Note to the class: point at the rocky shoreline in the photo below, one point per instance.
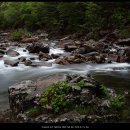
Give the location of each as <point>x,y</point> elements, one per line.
<point>109,49</point>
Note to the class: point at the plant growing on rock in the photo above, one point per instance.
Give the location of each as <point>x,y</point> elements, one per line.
<point>118,102</point>
<point>83,84</point>
<point>60,98</point>
<point>84,110</point>
<point>104,91</point>
<point>53,99</point>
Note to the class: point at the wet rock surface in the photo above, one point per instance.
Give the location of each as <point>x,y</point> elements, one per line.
<point>21,95</point>
<point>11,63</point>
<point>37,47</point>
<point>107,50</point>
<point>21,98</point>
<point>12,53</point>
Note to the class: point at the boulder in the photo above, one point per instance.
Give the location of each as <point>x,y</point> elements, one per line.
<point>92,54</point>
<point>79,56</point>
<point>12,53</point>
<point>2,51</point>
<point>21,95</point>
<point>54,56</point>
<point>70,59</point>
<point>29,40</point>
<point>24,50</point>
<point>61,61</point>
<point>22,59</point>
<point>11,63</point>
<point>37,47</point>
<point>28,62</point>
<point>36,64</point>
<point>100,58</point>
<point>44,55</point>
<point>89,48</point>
<point>113,57</point>
<point>32,58</point>
<point>81,50</point>
<point>99,47</point>
<point>122,59</point>
<point>70,48</point>
<point>62,43</point>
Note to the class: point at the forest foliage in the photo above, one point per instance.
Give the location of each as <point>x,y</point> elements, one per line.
<point>66,17</point>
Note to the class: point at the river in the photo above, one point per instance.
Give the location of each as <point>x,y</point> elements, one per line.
<point>115,75</point>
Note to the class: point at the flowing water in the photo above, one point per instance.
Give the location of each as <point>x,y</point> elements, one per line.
<point>115,75</point>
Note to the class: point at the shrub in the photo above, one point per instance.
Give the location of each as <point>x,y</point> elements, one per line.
<point>17,35</point>
<point>118,102</point>
<point>124,33</point>
<point>53,99</point>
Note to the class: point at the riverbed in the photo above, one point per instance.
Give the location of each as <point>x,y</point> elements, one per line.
<point>114,75</point>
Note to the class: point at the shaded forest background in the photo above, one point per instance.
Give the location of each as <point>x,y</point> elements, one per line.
<point>89,18</point>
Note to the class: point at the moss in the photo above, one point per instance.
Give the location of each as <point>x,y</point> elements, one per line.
<point>84,84</point>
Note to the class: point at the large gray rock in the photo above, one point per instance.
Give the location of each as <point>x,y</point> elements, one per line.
<point>21,95</point>
<point>11,63</point>
<point>12,53</point>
